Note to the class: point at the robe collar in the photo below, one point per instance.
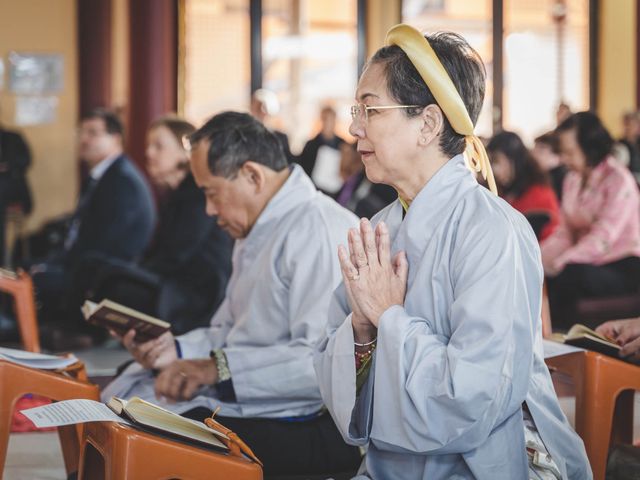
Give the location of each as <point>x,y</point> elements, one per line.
<point>430,208</point>
<point>296,190</point>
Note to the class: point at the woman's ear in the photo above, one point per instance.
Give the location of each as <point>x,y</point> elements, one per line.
<point>254,175</point>
<point>432,124</point>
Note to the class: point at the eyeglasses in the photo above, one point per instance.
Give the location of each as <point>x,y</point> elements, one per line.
<point>360,111</point>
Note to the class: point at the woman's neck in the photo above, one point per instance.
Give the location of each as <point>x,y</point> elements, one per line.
<point>409,186</point>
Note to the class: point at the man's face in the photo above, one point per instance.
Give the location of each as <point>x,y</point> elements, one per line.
<point>231,200</point>
<point>95,143</point>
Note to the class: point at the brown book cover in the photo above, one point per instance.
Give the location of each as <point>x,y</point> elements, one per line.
<point>121,319</point>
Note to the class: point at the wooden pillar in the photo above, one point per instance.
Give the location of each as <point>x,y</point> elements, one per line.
<point>153,68</point>
<point>637,54</point>
<point>94,54</point>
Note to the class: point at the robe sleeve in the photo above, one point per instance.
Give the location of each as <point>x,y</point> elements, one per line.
<point>198,343</point>
<point>441,394</point>
<point>336,371</point>
<point>308,269</point>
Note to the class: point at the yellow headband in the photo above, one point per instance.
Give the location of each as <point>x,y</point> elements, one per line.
<point>419,51</point>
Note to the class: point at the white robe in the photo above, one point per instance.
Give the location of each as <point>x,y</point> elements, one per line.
<point>454,365</point>
<point>275,309</point>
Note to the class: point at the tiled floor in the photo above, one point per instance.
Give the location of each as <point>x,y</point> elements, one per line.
<point>37,456</point>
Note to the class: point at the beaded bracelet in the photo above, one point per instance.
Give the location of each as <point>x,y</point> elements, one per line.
<point>366,344</point>
<point>363,357</point>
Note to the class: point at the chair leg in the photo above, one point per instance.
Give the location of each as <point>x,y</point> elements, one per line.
<point>5,429</point>
<point>622,428</point>
<point>596,422</point>
<point>70,437</point>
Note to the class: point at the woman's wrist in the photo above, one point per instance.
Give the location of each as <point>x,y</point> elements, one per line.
<point>363,331</point>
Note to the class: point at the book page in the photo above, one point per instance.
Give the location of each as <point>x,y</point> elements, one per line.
<point>36,360</point>
<point>88,308</point>
<point>579,330</point>
<point>70,412</point>
<point>555,349</point>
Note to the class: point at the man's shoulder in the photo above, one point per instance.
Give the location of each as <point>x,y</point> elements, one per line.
<point>123,168</point>
<point>320,213</point>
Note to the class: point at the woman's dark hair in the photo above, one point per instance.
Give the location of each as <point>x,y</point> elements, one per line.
<point>549,139</point>
<point>179,127</point>
<point>593,138</point>
<point>234,139</point>
<point>406,86</point>
<point>526,171</point>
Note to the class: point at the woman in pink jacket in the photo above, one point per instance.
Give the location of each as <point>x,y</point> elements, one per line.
<point>595,251</point>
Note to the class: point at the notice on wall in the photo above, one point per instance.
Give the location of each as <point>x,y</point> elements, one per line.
<point>36,110</point>
<point>34,73</point>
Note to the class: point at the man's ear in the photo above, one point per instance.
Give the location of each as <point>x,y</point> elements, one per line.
<point>432,124</point>
<point>254,175</point>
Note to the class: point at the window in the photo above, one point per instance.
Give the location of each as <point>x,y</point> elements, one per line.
<point>541,66</point>
<point>472,20</point>
<point>214,63</point>
<point>309,52</point>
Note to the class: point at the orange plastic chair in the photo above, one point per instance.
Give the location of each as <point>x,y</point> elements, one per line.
<point>16,381</point>
<point>605,390</point>
<point>112,451</point>
<point>21,288</point>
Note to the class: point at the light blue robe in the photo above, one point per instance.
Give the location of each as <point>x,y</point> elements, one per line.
<point>274,312</point>
<point>454,365</point>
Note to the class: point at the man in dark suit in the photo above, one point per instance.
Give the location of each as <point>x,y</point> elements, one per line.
<point>114,218</point>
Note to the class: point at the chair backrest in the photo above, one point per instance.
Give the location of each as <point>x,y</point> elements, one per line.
<point>21,289</point>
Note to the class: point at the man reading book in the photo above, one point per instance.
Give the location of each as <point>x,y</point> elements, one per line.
<point>255,359</point>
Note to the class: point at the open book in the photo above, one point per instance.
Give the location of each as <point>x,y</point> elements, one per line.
<point>36,360</point>
<point>146,414</point>
<point>121,319</point>
<point>140,413</point>
<point>584,337</point>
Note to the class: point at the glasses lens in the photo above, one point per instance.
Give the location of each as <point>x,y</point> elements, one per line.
<point>359,112</point>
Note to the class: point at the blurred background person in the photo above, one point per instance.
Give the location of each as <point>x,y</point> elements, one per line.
<point>595,251</point>
<point>114,219</point>
<point>15,193</point>
<point>357,193</point>
<point>320,157</point>
<point>264,105</point>
<point>522,182</point>
<point>546,152</point>
<point>184,273</point>
<point>562,112</point>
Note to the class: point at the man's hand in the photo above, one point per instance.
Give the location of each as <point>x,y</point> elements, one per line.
<point>154,354</point>
<point>182,379</point>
